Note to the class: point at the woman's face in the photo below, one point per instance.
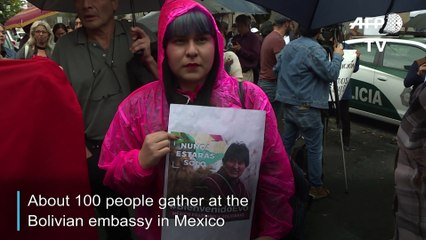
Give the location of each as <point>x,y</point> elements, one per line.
<point>191,58</point>
<point>60,32</point>
<point>234,167</point>
<point>41,35</point>
<point>2,36</point>
<point>77,23</point>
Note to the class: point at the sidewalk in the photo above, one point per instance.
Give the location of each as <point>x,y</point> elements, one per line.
<point>365,212</point>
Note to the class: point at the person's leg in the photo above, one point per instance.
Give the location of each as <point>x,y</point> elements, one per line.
<point>312,131</point>
<point>270,89</point>
<point>96,176</point>
<point>290,131</point>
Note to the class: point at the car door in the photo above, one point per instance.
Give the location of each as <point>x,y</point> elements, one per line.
<point>397,57</point>
<point>362,82</point>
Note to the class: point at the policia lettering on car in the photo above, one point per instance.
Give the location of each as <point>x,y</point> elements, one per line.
<point>367,97</point>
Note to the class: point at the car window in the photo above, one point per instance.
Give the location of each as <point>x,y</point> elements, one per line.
<point>400,56</point>
<point>8,43</point>
<point>367,56</point>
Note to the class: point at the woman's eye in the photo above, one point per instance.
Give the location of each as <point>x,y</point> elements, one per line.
<point>178,41</point>
<point>203,39</point>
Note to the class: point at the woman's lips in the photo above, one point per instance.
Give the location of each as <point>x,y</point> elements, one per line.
<point>191,65</point>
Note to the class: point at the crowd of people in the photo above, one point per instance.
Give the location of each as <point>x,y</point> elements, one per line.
<point>39,39</point>
<point>284,71</point>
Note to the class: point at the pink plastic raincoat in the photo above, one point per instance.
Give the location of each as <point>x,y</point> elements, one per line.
<point>146,111</point>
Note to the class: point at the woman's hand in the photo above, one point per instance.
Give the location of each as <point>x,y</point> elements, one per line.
<point>154,148</point>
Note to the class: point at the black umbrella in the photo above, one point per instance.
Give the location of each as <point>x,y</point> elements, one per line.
<point>320,13</point>
<point>124,6</point>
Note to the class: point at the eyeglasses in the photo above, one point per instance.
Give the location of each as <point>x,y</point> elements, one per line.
<point>41,32</point>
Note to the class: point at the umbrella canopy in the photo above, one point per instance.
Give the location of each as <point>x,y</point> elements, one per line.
<point>320,13</point>
<point>215,6</point>
<point>418,22</point>
<point>228,6</point>
<point>124,5</point>
<point>26,17</point>
<point>150,21</point>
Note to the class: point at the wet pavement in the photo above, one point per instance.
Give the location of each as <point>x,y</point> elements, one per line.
<point>365,212</point>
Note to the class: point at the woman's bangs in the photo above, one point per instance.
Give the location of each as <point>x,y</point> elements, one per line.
<point>194,22</point>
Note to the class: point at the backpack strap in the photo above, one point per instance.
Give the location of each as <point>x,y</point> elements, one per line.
<point>241,94</point>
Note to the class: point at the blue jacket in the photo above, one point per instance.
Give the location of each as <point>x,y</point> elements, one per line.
<point>304,73</point>
<point>9,53</point>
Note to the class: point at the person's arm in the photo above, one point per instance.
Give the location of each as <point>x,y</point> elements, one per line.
<point>141,42</point>
<point>235,68</point>
<point>120,158</point>
<point>21,53</point>
<point>273,215</point>
<point>412,78</point>
<point>356,68</point>
<point>277,47</point>
<point>252,53</point>
<point>322,67</point>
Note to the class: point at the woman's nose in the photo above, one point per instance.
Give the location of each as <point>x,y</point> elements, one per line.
<point>191,50</point>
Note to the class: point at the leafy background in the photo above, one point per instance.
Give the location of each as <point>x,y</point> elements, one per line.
<point>9,8</point>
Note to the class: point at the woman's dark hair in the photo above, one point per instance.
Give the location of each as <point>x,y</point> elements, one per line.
<point>56,27</point>
<point>237,151</point>
<point>193,22</point>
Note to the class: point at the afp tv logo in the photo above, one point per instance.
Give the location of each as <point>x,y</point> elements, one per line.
<point>393,25</point>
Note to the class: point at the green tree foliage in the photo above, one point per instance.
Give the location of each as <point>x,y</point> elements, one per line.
<point>9,8</point>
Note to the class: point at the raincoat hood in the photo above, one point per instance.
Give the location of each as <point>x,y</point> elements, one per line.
<point>169,12</point>
<point>146,111</point>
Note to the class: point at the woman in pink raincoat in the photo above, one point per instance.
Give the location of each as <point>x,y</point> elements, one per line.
<point>190,62</point>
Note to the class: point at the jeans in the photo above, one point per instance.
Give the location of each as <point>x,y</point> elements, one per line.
<point>306,121</point>
<point>270,89</point>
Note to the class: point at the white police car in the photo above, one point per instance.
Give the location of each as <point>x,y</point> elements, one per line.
<point>377,88</point>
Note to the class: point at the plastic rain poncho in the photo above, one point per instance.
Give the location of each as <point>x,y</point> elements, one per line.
<point>146,111</point>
